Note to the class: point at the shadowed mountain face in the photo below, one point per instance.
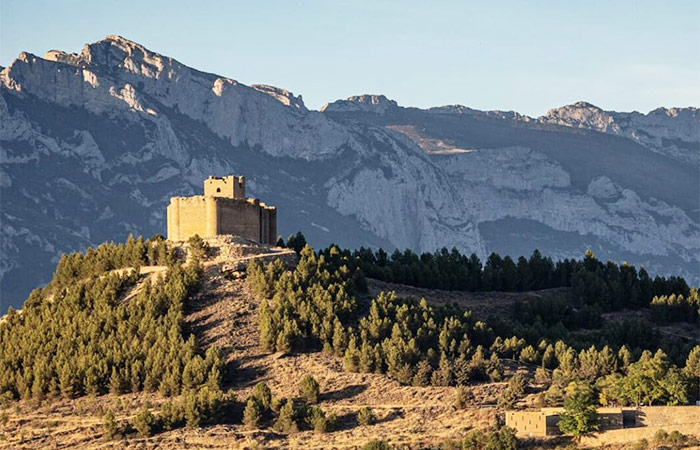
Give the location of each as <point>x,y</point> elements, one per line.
<point>93,145</point>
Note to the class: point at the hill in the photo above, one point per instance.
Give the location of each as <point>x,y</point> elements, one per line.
<point>438,371</point>
<point>97,142</point>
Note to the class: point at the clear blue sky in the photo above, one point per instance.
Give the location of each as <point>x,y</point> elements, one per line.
<point>527,56</point>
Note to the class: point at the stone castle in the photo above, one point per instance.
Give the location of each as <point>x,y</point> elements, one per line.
<point>223,209</point>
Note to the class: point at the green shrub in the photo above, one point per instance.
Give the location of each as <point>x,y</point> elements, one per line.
<point>262,392</point>
<point>252,414</point>
<point>463,397</point>
<point>198,247</point>
<point>206,406</point>
<point>110,426</point>
<point>309,389</point>
<point>507,399</point>
<point>145,422</point>
<point>276,405</point>
<point>474,440</point>
<point>317,420</point>
<point>642,444</point>
<point>376,445</point>
<point>365,416</point>
<point>287,420</point>
<point>503,439</point>
<point>172,415</point>
<point>517,384</point>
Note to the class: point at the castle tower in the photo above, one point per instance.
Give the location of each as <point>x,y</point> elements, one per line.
<point>223,209</point>
<point>230,187</point>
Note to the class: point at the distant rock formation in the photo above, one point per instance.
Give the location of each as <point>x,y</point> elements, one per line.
<point>94,144</point>
<point>377,104</point>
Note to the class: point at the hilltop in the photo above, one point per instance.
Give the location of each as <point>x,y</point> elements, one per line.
<point>96,142</point>
<point>189,338</point>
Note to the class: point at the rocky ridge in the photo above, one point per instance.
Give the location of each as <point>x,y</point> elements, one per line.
<point>93,144</point>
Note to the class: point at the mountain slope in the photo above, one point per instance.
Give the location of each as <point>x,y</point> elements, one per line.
<point>92,145</point>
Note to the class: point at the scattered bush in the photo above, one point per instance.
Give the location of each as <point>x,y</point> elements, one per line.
<point>145,422</point>
<point>376,445</point>
<point>463,397</point>
<point>198,247</point>
<point>309,389</point>
<point>110,426</point>
<point>673,440</point>
<point>262,393</point>
<point>253,413</point>
<point>287,420</point>
<point>365,417</point>
<point>317,420</point>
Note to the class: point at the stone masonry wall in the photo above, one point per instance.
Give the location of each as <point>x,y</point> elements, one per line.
<point>239,217</point>
<point>188,216</point>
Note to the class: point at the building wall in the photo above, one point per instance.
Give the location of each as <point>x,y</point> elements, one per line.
<point>649,416</point>
<point>545,422</point>
<point>527,423</point>
<point>187,216</point>
<point>649,420</point>
<point>229,187</point>
<point>240,217</point>
<point>220,213</point>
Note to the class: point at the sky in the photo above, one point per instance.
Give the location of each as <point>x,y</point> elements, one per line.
<point>527,56</point>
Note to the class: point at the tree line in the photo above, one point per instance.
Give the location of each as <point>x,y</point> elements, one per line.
<point>610,286</point>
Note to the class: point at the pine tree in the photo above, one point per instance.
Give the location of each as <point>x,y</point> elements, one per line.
<point>262,393</point>
<point>443,375</point>
<point>110,426</point>
<point>351,360</point>
<point>317,420</point>
<point>309,389</point>
<point>579,417</point>
<point>463,397</point>
<point>252,414</point>
<point>116,382</point>
<point>422,375</point>
<point>286,421</point>
<point>145,422</point>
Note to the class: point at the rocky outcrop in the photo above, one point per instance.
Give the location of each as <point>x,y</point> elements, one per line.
<point>673,131</point>
<point>376,104</point>
<point>94,144</point>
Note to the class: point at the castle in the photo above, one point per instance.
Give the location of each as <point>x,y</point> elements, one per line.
<point>223,209</point>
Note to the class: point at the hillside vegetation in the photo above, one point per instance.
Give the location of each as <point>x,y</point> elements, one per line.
<point>420,344</point>
<point>114,354</point>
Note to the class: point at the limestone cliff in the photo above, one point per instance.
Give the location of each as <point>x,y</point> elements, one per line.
<point>93,145</point>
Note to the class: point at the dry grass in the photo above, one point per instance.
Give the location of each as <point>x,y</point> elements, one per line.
<point>225,314</point>
<point>482,304</point>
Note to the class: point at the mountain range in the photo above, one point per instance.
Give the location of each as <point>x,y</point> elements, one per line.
<point>93,145</point>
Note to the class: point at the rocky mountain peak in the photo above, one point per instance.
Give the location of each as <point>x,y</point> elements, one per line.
<point>580,115</point>
<point>100,140</point>
<point>283,96</point>
<point>378,104</point>
<point>671,131</point>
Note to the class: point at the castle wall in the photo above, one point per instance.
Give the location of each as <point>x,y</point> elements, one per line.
<point>248,218</point>
<point>273,225</point>
<point>223,209</point>
<point>187,216</point>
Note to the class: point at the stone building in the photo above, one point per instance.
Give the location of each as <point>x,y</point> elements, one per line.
<point>545,422</point>
<point>223,209</point>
